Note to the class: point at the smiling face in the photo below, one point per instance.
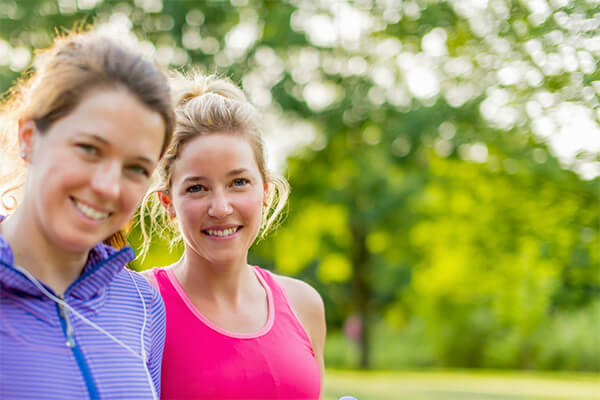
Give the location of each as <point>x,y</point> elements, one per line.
<point>217,194</point>
<point>88,171</point>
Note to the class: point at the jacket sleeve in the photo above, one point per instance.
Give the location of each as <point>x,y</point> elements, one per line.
<point>157,331</point>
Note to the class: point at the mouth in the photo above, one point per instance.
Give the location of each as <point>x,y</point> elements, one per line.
<point>89,211</point>
<point>222,232</point>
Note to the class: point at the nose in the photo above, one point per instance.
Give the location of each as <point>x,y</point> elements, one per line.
<point>220,206</point>
<point>106,180</point>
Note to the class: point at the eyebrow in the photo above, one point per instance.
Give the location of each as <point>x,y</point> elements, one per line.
<point>237,171</point>
<point>105,142</point>
<point>193,179</point>
<point>196,178</point>
<point>95,137</point>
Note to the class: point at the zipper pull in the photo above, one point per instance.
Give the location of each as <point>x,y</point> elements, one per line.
<point>64,313</point>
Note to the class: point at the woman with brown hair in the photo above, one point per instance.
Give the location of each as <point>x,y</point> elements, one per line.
<point>92,121</point>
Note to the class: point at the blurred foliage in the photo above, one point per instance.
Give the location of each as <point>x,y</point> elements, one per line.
<point>427,198</point>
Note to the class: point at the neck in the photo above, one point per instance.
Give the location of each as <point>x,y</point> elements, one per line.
<point>55,267</point>
<point>219,283</point>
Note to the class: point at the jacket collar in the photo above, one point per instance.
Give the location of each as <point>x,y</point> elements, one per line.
<point>103,264</point>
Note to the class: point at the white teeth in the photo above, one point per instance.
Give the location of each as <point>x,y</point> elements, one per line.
<point>90,212</point>
<point>224,232</point>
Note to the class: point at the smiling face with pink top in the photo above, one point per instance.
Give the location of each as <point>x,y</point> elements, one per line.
<point>217,194</point>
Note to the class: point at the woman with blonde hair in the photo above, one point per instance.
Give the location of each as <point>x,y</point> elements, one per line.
<point>92,122</point>
<point>234,331</point>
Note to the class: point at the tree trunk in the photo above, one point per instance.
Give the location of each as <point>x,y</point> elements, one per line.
<point>362,289</point>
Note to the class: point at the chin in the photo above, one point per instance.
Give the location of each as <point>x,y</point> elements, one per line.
<point>223,260</point>
<point>78,243</point>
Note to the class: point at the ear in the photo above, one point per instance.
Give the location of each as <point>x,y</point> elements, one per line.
<point>165,200</point>
<point>28,133</point>
<point>266,188</point>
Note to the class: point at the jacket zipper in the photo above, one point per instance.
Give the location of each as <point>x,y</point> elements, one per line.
<point>67,326</point>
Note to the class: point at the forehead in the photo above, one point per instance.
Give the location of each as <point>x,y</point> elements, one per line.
<point>114,106</point>
<point>116,117</point>
<point>215,153</point>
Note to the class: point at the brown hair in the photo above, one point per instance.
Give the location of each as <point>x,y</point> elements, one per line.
<point>71,68</point>
<point>208,105</point>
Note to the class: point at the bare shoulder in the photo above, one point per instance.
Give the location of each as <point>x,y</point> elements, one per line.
<point>306,302</point>
<point>309,307</point>
<point>304,298</point>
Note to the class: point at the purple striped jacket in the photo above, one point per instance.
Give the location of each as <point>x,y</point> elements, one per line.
<point>48,353</point>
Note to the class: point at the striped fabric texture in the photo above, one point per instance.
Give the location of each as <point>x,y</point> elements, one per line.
<point>37,363</point>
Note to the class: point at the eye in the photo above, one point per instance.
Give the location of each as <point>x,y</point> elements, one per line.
<point>238,182</point>
<point>195,189</point>
<point>138,169</point>
<point>88,149</point>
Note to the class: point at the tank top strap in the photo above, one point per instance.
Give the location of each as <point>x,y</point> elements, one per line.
<point>159,278</point>
<point>279,296</point>
<point>152,277</point>
<point>283,307</point>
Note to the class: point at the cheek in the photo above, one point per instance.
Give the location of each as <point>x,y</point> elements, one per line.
<point>132,196</point>
<point>190,212</point>
<point>252,206</point>
<point>54,184</point>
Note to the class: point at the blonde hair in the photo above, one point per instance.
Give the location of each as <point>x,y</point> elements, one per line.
<point>208,105</point>
<point>70,69</point>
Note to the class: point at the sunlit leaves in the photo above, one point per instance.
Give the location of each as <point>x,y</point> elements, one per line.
<point>307,237</point>
<point>505,242</point>
<point>335,267</point>
<point>378,241</point>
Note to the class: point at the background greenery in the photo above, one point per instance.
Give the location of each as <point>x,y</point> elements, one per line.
<point>430,207</point>
<point>460,385</point>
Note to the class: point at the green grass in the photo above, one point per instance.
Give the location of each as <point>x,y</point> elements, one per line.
<point>461,385</point>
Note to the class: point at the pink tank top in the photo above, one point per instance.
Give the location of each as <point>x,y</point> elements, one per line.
<point>203,361</point>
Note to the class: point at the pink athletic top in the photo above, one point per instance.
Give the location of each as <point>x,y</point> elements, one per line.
<point>203,361</point>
